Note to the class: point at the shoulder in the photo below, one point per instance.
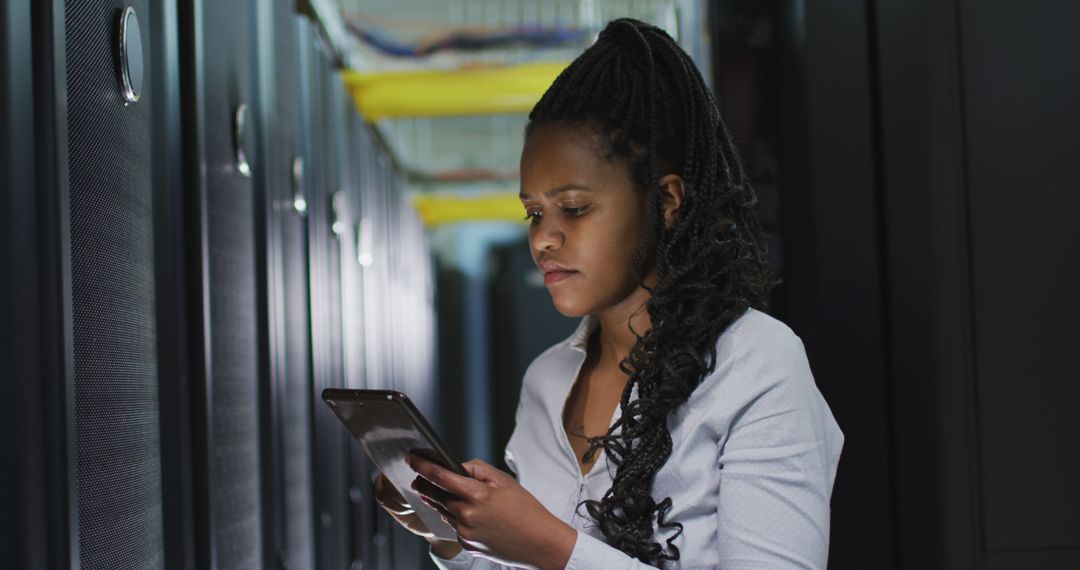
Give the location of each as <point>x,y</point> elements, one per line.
<point>764,404</point>
<point>757,334</point>
<point>756,355</point>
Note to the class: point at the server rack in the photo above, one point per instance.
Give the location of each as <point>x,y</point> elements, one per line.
<point>172,290</point>
<point>178,308</point>
<point>221,121</point>
<point>329,441</point>
<point>374,341</point>
<point>36,518</point>
<point>286,391</point>
<point>121,146</point>
<point>361,501</point>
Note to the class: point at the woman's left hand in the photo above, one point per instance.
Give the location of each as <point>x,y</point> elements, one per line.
<point>493,515</point>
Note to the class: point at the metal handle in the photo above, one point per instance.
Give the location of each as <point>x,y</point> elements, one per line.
<point>364,241</point>
<point>240,134</point>
<point>299,201</point>
<point>130,52</point>
<point>336,225</point>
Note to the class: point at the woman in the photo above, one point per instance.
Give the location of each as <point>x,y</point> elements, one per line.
<point>679,426</point>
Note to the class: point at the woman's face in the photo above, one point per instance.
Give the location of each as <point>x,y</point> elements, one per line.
<point>587,220</point>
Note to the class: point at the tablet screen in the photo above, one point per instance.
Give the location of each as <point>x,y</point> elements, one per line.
<point>388,426</point>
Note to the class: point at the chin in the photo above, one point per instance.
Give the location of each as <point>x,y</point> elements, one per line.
<point>569,307</point>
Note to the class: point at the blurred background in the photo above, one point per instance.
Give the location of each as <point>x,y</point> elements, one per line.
<point>211,211</point>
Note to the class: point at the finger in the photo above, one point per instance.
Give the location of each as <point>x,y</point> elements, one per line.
<point>464,487</point>
<point>400,509</point>
<point>389,498</point>
<point>428,489</point>
<point>446,514</point>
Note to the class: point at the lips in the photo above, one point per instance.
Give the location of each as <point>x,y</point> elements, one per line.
<point>553,272</point>
<point>552,277</point>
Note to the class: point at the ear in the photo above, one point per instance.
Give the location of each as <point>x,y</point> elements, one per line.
<point>672,190</point>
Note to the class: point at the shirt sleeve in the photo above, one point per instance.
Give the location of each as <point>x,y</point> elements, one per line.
<point>466,560</point>
<point>777,467</point>
<point>591,553</point>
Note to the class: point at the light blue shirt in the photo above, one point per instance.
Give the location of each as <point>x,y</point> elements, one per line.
<point>754,457</point>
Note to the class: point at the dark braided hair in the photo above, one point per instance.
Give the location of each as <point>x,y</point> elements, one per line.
<point>643,99</point>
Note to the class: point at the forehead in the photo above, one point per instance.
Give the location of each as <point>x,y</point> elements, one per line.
<point>584,132</point>
<point>558,154</point>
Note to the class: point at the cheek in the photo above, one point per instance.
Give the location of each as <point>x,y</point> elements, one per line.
<point>610,249</point>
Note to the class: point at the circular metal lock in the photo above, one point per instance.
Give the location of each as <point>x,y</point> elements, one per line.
<point>130,55</point>
<point>241,138</point>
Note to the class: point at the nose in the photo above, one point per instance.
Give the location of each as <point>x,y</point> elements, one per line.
<point>546,235</point>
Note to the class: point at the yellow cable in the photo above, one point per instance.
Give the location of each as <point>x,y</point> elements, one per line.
<point>436,209</point>
<point>469,91</point>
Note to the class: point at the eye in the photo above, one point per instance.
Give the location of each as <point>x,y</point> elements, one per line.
<point>575,211</point>
<point>533,215</point>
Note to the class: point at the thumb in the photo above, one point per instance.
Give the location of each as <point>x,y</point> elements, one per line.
<point>485,472</point>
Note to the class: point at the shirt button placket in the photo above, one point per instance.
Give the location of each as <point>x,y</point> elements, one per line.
<point>574,506</point>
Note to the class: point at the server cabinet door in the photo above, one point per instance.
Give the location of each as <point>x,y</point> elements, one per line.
<point>110,145</point>
<point>408,548</point>
<point>980,235</point>
<point>220,118</point>
<point>375,343</point>
<point>287,182</point>
<point>330,444</point>
<point>1023,287</point>
<point>361,492</point>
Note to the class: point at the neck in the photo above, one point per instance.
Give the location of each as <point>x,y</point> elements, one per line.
<point>615,336</point>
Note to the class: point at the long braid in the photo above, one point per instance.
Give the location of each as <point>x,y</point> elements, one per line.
<point>646,101</point>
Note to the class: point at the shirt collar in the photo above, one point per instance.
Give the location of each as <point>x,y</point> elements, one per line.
<point>580,338</point>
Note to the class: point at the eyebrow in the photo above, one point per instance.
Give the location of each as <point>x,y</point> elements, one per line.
<point>557,190</point>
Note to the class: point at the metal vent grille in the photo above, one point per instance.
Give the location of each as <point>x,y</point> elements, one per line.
<point>236,514</point>
<point>296,403</point>
<point>118,465</point>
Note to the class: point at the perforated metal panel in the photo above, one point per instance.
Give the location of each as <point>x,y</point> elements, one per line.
<point>331,488</point>
<point>116,382</point>
<point>295,417</point>
<point>233,382</point>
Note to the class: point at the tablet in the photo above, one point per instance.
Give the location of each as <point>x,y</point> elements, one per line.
<point>388,425</point>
